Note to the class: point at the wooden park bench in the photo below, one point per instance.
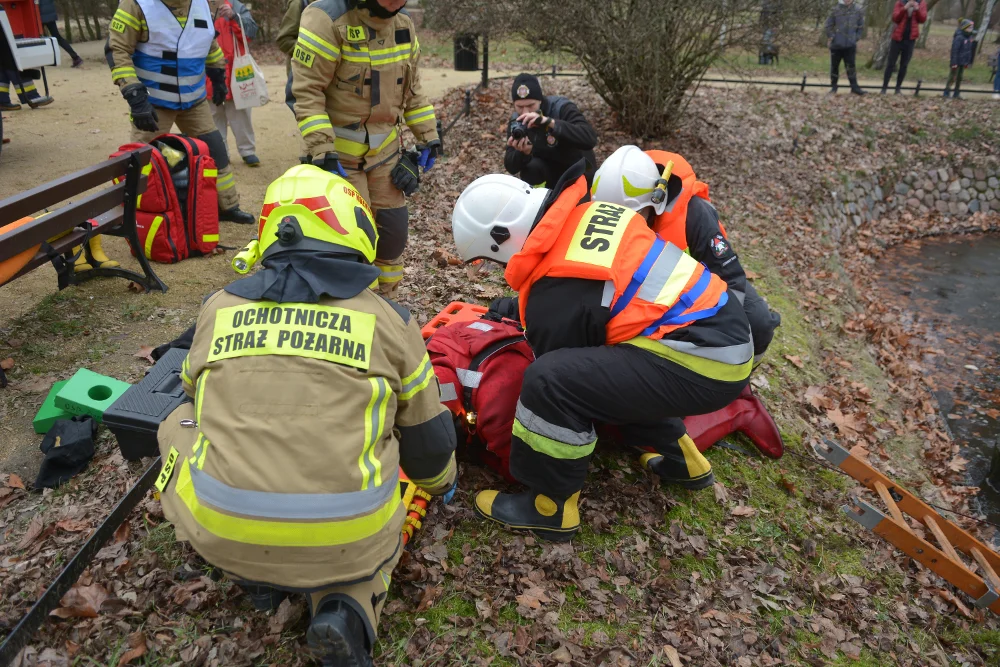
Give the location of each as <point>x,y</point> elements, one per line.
<point>52,237</point>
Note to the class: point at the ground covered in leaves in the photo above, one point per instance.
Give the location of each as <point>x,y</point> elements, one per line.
<point>761,570</point>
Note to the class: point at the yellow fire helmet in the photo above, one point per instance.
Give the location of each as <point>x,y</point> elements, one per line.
<point>307,208</point>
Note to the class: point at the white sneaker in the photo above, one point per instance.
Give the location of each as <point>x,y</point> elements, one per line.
<point>996,96</point>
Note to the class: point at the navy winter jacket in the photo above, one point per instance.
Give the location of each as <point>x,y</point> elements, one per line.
<point>962,48</point>
<point>47,8</point>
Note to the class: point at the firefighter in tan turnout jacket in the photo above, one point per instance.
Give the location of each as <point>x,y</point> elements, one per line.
<point>160,52</point>
<point>310,392</point>
<point>355,79</point>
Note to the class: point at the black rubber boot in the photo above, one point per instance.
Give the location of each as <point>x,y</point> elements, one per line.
<point>680,464</point>
<point>548,518</point>
<point>264,598</point>
<point>238,216</point>
<point>336,636</point>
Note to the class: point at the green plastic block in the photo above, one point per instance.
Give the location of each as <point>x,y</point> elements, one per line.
<point>88,393</point>
<point>49,413</point>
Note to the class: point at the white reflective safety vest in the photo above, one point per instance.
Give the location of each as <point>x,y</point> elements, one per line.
<point>171,63</point>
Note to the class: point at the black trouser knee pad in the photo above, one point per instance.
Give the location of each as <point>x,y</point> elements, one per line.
<point>393,230</point>
<point>216,148</point>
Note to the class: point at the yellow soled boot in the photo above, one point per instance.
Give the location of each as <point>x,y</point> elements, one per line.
<point>96,256</point>
<point>80,264</point>
<point>548,518</point>
<point>680,463</point>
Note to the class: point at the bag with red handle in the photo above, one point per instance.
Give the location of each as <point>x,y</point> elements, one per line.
<point>479,365</point>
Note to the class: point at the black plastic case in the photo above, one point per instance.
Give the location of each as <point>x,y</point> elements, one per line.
<point>135,417</point>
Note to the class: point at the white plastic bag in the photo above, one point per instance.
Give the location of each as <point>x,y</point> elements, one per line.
<point>247,82</point>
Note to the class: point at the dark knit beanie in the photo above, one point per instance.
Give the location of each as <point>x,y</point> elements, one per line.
<point>526,87</point>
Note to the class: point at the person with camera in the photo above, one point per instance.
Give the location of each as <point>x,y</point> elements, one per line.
<point>907,15</point>
<point>546,135</point>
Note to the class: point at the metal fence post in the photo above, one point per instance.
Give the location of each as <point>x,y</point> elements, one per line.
<point>802,88</point>
<point>916,91</point>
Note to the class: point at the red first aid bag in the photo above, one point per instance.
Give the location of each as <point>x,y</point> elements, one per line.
<point>480,365</point>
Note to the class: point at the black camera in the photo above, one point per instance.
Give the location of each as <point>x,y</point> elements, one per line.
<point>518,130</point>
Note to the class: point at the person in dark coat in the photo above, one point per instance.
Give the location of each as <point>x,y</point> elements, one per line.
<point>556,135</point>
<point>47,9</point>
<point>907,16</point>
<point>963,48</point>
<point>843,30</point>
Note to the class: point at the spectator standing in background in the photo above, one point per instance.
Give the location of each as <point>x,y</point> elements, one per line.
<point>996,77</point>
<point>228,19</point>
<point>963,47</point>
<point>47,9</point>
<point>907,16</point>
<point>843,30</point>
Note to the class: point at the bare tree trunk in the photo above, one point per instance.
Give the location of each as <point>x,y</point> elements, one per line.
<point>67,27</point>
<point>926,30</point>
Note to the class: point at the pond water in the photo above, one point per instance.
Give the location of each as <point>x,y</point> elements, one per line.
<point>952,289</point>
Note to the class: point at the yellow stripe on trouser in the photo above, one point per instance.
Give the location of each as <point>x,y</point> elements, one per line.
<point>550,447</point>
<point>391,273</point>
<point>359,149</point>
<point>277,533</point>
<point>199,394</point>
<point>4,88</point>
<point>225,182</point>
<point>716,370</point>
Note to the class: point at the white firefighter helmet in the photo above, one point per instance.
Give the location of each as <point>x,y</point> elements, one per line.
<point>493,217</point>
<point>628,178</point>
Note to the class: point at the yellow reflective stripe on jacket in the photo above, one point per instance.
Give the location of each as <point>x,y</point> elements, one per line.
<point>710,368</point>
<point>127,19</point>
<point>327,333</point>
<point>418,380</point>
<point>199,394</point>
<point>392,54</point>
<point>368,463</point>
<point>151,236</point>
<point>419,115</point>
<point>318,45</point>
<point>314,123</point>
<point>282,533</point>
<point>355,54</point>
<point>668,276</point>
<point>122,72</point>
<point>186,370</point>
<point>215,56</point>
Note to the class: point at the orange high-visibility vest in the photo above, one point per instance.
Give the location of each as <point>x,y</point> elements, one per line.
<point>652,287</point>
<point>671,225</point>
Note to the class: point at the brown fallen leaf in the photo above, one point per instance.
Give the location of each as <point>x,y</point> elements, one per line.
<point>671,654</point>
<point>146,352</point>
<point>816,397</point>
<point>950,597</point>
<point>427,599</point>
<point>287,614</point>
<point>73,525</point>
<point>122,533</point>
<point>562,655</point>
<point>7,363</point>
<point>809,548</point>
<point>533,597</point>
<point>860,451</point>
<point>81,602</point>
<point>137,644</point>
<point>788,486</point>
<point>848,425</point>
<point>744,510</point>
<point>795,360</point>
<point>752,275</point>
<point>14,481</point>
<point>720,493</point>
<point>135,287</point>
<point>34,529</point>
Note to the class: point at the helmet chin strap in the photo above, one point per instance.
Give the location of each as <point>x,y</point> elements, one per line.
<point>377,10</point>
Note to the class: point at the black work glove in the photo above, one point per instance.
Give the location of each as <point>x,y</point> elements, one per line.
<point>405,175</point>
<point>219,89</point>
<point>331,163</point>
<point>143,115</point>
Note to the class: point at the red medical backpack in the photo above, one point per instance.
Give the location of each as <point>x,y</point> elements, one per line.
<point>479,365</point>
<point>172,227</point>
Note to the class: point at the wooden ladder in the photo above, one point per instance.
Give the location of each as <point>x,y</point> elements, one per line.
<point>983,586</point>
